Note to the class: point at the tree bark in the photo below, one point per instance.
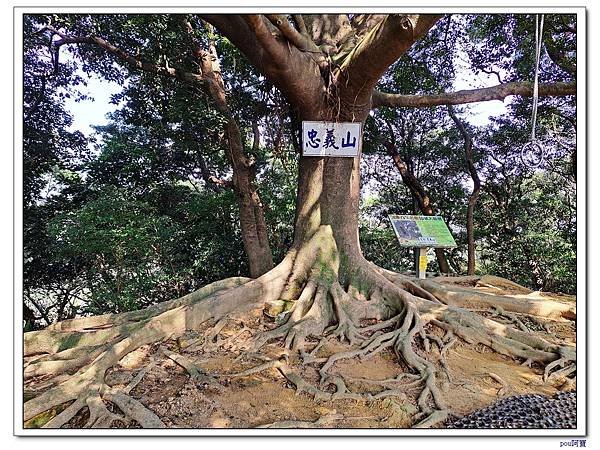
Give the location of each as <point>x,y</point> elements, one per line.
<point>419,194</point>
<point>474,193</point>
<point>252,218</point>
<point>328,194</point>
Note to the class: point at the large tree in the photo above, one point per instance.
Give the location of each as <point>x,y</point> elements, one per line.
<point>328,68</point>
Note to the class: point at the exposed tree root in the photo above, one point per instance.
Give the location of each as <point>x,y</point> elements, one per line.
<point>274,364</point>
<point>468,298</point>
<point>566,361</point>
<point>66,361</point>
<point>112,320</point>
<point>322,422</point>
<point>325,300</point>
<point>433,419</point>
<point>197,375</point>
<point>135,410</point>
<point>504,387</point>
<point>62,418</point>
<point>213,301</point>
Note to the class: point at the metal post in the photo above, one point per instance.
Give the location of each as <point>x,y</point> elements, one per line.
<point>416,260</point>
<point>421,266</point>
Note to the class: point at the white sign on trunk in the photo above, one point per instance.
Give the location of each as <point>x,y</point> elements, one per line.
<point>331,139</point>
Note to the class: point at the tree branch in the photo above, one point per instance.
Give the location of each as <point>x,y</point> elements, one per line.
<point>301,41</point>
<point>210,68</point>
<point>287,67</point>
<point>300,24</point>
<point>363,23</point>
<point>258,26</point>
<point>498,92</point>
<point>136,63</point>
<point>235,28</point>
<point>256,137</point>
<point>379,49</point>
<point>561,59</point>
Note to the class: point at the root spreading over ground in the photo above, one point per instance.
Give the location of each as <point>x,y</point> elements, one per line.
<point>313,298</point>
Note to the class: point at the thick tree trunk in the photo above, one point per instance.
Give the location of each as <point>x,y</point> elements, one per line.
<point>329,194</point>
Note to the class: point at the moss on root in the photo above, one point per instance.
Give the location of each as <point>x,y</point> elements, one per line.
<point>69,342</point>
<point>42,419</point>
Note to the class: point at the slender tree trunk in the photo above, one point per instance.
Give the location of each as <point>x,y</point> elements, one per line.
<point>470,229</point>
<point>252,219</point>
<point>474,194</point>
<point>419,194</point>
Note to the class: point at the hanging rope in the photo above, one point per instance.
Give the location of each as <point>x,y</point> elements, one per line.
<point>533,153</point>
<point>539,28</point>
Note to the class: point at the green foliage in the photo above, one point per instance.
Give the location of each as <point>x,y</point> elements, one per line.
<point>278,192</point>
<point>121,243</point>
<point>134,254</point>
<point>530,238</point>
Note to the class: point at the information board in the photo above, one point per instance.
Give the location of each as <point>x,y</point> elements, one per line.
<point>342,139</point>
<point>422,231</point>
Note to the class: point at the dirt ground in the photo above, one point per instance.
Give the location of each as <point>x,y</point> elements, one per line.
<point>474,377</point>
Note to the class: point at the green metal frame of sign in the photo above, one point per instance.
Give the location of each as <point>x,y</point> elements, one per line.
<point>422,231</point>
